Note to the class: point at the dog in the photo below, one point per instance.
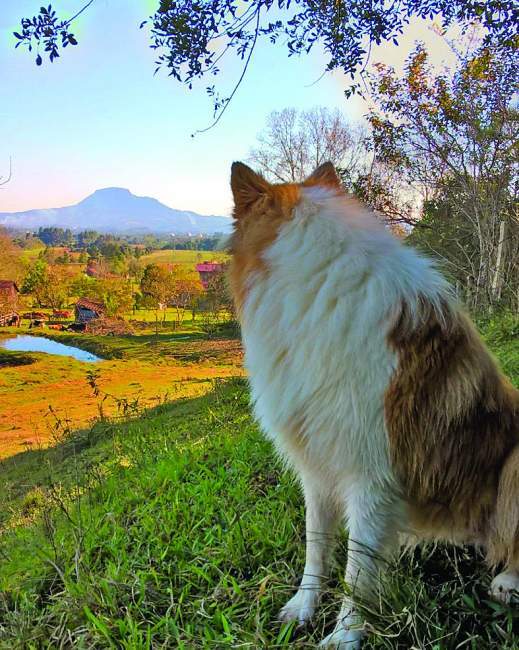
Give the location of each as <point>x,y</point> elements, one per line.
<point>373,385</point>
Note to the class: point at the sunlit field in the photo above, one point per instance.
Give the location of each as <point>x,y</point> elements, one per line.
<point>39,399</point>
<point>182,257</point>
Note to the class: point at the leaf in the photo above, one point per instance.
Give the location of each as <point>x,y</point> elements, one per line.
<point>39,60</point>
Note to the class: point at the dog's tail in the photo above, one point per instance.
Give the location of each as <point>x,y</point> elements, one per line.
<point>505,545</point>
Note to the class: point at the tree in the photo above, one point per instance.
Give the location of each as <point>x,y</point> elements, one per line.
<point>135,268</point>
<point>191,39</point>
<point>49,286</point>
<point>11,267</point>
<point>35,279</point>
<point>116,294</point>
<point>157,287</point>
<point>453,138</point>
<point>294,143</point>
<point>56,291</point>
<point>186,289</point>
<point>52,236</point>
<point>216,301</point>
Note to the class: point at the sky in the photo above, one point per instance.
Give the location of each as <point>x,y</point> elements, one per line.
<point>98,116</point>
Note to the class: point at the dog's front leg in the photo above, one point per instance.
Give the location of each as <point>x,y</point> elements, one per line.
<point>322,517</point>
<point>373,515</point>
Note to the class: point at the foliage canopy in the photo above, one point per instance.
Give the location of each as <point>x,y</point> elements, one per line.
<point>192,38</point>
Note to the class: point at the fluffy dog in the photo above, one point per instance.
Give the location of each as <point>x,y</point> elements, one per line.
<point>374,386</point>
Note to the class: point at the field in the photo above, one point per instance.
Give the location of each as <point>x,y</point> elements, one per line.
<point>178,528</point>
<point>190,257</point>
<point>38,399</point>
<point>182,257</point>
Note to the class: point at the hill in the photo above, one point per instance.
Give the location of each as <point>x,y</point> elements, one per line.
<point>117,210</point>
<point>180,529</point>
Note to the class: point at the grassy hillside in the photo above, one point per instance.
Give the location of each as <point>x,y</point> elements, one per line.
<point>180,529</point>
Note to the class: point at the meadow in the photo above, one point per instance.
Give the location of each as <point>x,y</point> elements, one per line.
<point>176,526</point>
<point>182,257</point>
<point>44,393</point>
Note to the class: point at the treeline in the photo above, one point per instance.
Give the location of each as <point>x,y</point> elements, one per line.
<point>94,242</point>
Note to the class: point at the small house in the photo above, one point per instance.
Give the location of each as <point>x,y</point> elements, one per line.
<point>207,271</point>
<point>87,310</point>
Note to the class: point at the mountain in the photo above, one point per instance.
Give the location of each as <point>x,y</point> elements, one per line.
<point>117,210</point>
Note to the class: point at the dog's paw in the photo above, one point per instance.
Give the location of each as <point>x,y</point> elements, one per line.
<point>300,607</point>
<point>505,587</point>
<point>343,639</point>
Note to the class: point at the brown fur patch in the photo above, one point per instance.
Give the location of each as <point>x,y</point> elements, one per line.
<point>452,420</point>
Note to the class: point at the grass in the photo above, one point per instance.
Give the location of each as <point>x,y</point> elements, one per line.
<point>182,257</point>
<point>13,359</point>
<point>180,529</point>
<point>141,369</point>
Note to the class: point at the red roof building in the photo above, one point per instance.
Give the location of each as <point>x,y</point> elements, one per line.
<point>208,270</point>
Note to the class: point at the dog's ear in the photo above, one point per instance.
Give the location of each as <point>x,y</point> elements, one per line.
<point>246,186</point>
<point>326,176</point>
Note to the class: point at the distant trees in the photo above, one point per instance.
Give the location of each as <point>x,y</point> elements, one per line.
<point>11,267</point>
<point>86,238</point>
<point>53,236</point>
<point>294,143</point>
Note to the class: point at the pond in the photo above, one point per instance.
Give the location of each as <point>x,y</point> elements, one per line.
<point>24,343</point>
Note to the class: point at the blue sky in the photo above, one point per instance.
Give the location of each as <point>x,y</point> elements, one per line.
<point>98,117</point>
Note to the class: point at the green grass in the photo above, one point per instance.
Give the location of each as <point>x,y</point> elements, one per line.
<point>180,529</point>
<point>144,346</point>
<point>9,358</point>
<point>182,257</point>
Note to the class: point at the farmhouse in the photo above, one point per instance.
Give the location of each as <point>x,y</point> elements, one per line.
<point>9,303</point>
<point>87,310</point>
<point>207,271</point>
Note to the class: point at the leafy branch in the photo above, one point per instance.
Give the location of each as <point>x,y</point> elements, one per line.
<point>192,37</point>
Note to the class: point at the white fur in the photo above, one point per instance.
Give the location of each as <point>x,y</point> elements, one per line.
<point>314,329</point>
<point>505,586</point>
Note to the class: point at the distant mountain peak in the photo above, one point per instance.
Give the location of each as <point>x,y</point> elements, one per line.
<point>117,210</point>
<point>113,190</point>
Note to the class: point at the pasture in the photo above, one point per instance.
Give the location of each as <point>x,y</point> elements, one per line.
<point>182,257</point>
<point>39,399</point>
<point>178,527</point>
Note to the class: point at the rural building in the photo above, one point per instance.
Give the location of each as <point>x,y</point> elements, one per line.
<point>207,271</point>
<point>8,294</point>
<point>9,303</point>
<point>87,310</point>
